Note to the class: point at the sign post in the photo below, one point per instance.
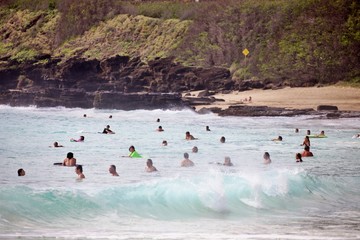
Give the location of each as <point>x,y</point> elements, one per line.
<point>245,52</point>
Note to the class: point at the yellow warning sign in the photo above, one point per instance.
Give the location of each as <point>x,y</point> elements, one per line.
<point>245,52</point>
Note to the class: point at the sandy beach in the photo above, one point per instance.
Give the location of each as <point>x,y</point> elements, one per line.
<point>345,98</point>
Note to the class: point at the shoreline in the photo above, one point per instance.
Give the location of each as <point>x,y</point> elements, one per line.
<point>345,98</point>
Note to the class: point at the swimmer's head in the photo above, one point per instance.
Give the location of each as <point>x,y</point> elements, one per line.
<point>21,172</point>
<point>149,162</point>
<point>70,155</point>
<point>112,169</point>
<point>79,169</point>
<point>164,143</point>
<point>222,139</point>
<point>266,155</point>
<point>195,149</point>
<point>56,144</point>
<point>227,160</point>
<point>186,155</point>
<point>131,148</point>
<point>82,138</point>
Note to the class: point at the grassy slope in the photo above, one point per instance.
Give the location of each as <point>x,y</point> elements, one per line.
<point>288,40</point>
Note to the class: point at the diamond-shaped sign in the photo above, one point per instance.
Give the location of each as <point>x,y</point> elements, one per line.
<point>245,52</point>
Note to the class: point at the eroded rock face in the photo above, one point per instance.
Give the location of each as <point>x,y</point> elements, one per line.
<point>118,82</point>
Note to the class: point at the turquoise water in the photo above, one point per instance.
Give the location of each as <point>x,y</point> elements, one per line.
<point>316,199</point>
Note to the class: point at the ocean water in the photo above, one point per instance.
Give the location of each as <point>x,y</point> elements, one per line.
<point>316,199</point>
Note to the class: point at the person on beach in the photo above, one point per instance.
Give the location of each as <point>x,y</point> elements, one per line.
<point>278,139</point>
<point>306,152</point>
<point>195,149</point>
<point>81,139</point>
<point>306,141</point>
<point>107,130</point>
<point>160,129</point>
<point>112,171</point>
<point>149,166</point>
<point>222,139</point>
<point>56,144</point>
<point>133,153</point>
<point>21,172</point>
<point>69,161</point>
<point>79,172</point>
<point>164,143</point>
<point>188,136</point>
<point>187,162</point>
<point>298,157</point>
<point>227,162</point>
<point>267,159</point>
<point>207,128</point>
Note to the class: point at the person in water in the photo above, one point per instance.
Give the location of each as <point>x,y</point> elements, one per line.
<point>308,132</point>
<point>279,139</point>
<point>110,116</point>
<point>222,139</point>
<point>164,143</point>
<point>133,153</point>
<point>160,129</point>
<point>149,166</point>
<point>186,162</point>
<point>306,152</point>
<point>69,161</point>
<point>207,128</point>
<point>79,172</point>
<point>298,157</point>
<point>107,130</point>
<point>158,120</point>
<point>188,136</point>
<point>81,139</point>
<point>56,144</point>
<point>306,141</point>
<point>195,149</point>
<point>267,159</point>
<point>112,170</point>
<point>227,162</point>
<point>21,172</point>
<point>296,130</point>
<point>322,134</point>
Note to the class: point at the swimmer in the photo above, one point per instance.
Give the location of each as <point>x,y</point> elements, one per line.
<point>158,120</point>
<point>227,162</point>
<point>21,172</point>
<point>188,136</point>
<point>149,166</point>
<point>69,161</point>
<point>79,172</point>
<point>56,144</point>
<point>164,143</point>
<point>207,128</point>
<point>222,139</point>
<point>187,162</point>
<point>110,116</point>
<point>84,115</point>
<point>296,130</point>
<point>133,153</point>
<point>306,152</point>
<point>112,170</point>
<point>298,157</point>
<point>266,157</point>
<point>279,139</point>
<point>306,141</point>
<point>308,132</point>
<point>107,130</point>
<point>356,135</point>
<point>81,139</point>
<point>160,129</point>
<point>195,149</point>
<point>322,134</point>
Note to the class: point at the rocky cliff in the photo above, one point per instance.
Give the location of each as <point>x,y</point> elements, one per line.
<point>85,53</point>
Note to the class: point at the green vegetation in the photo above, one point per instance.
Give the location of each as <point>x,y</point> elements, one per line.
<point>288,40</point>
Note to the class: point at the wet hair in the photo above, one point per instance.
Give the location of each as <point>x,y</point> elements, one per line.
<point>228,159</point>
<point>84,115</point>
<point>298,156</point>
<point>222,139</point>
<point>70,155</point>
<point>56,144</point>
<point>107,126</point>
<point>79,167</point>
<point>187,133</point>
<point>113,166</point>
<point>280,138</point>
<point>160,127</point>
<point>158,120</point>
<point>82,137</point>
<point>164,142</point>
<point>131,147</point>
<point>110,116</point>
<point>266,155</point>
<point>149,161</point>
<point>195,149</point>
<point>186,155</point>
<point>20,170</point>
